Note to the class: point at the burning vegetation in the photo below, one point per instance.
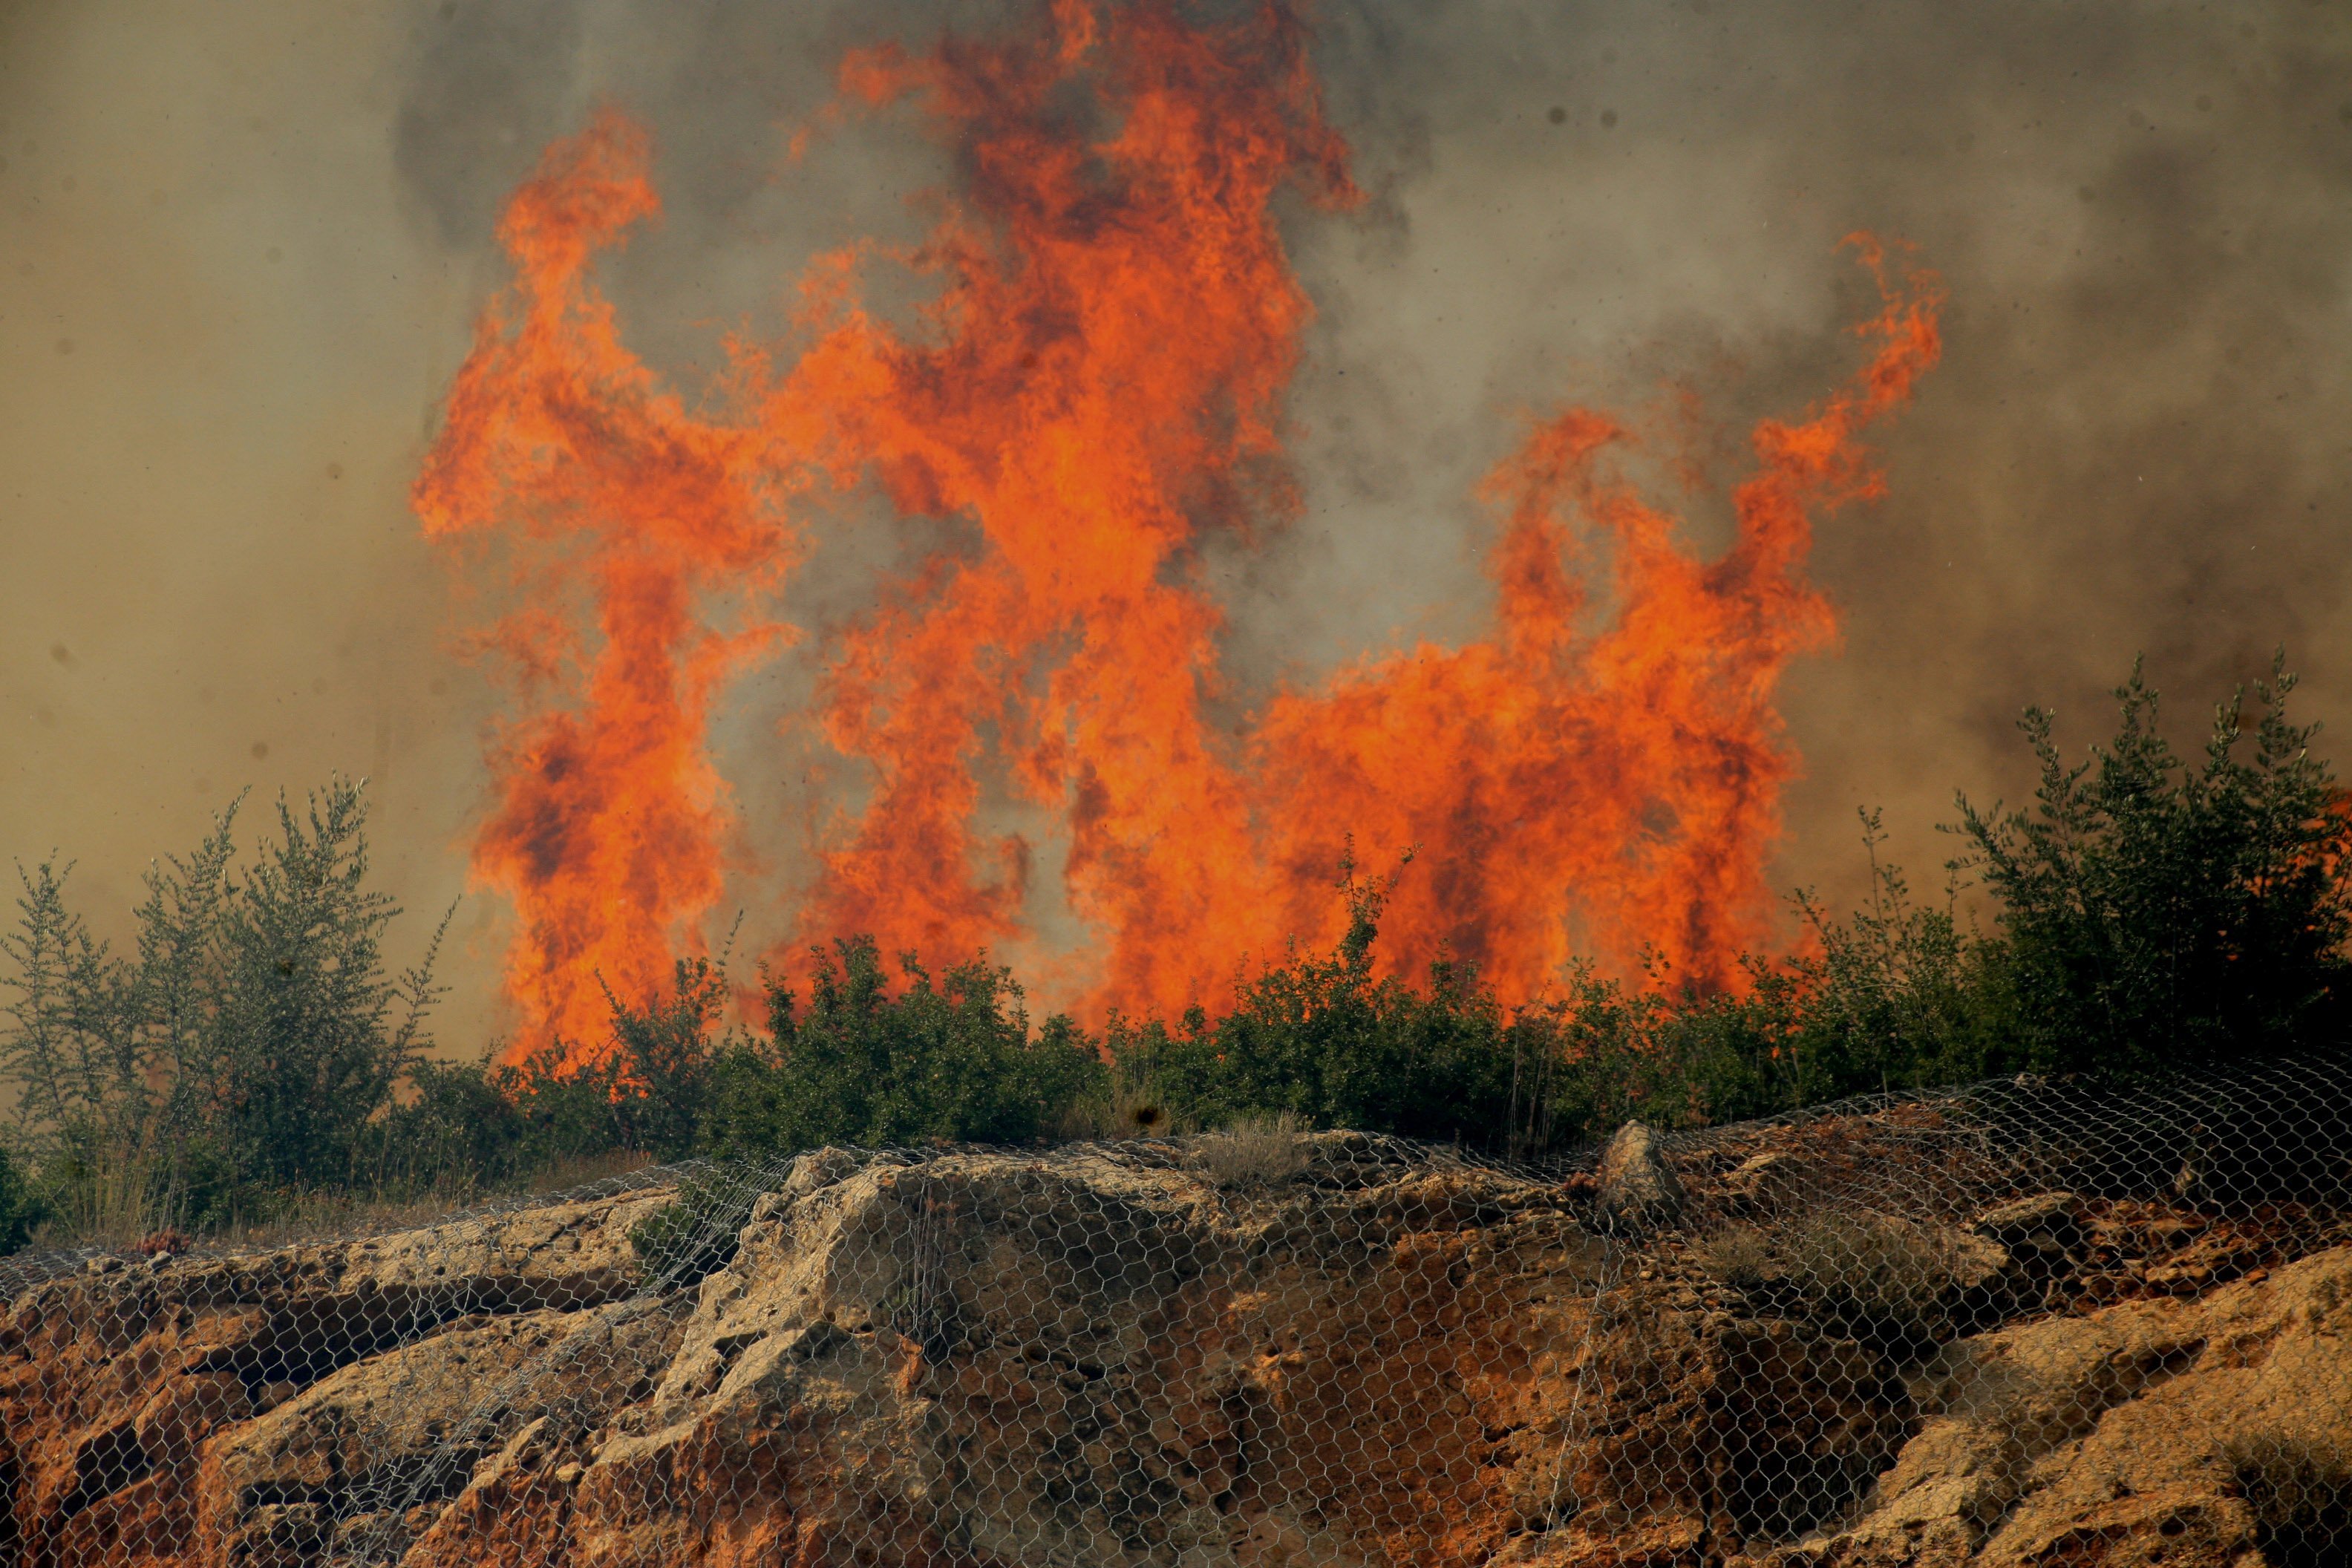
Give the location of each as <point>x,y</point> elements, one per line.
<point>252,1060</point>
<point>1097,387</point>
<point>1587,794</point>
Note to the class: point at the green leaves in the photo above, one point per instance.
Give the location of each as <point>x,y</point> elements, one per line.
<point>23,1205</point>
<point>2155,913</point>
<point>306,1038</point>
<point>953,1059</point>
<point>1319,1036</point>
<point>242,1048</point>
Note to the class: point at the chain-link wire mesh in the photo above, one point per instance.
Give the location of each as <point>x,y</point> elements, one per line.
<point>2019,1323</point>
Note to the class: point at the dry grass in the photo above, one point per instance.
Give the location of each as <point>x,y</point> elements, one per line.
<point>1738,1255</point>
<point>566,1174</point>
<point>121,1217</point>
<point>323,1218</point>
<point>1125,1112</point>
<point>1873,1275</point>
<point>319,1216</point>
<point>115,1208</point>
<point>1251,1152</point>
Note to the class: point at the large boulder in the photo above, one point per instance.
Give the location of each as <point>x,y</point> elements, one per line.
<point>1016,1359</point>
<point>1028,1358</point>
<point>295,1313</point>
<point>2121,1437</point>
<point>113,1377</point>
<point>356,1451</point>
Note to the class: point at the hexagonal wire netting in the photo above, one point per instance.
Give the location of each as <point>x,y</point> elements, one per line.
<point>1768,1342</point>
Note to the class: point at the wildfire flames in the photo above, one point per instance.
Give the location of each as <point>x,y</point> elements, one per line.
<point>1097,384</point>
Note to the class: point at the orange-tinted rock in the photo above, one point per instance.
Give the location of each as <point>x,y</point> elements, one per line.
<point>1000,1359</point>
<point>187,1409</point>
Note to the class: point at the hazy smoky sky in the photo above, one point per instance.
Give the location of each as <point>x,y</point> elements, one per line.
<point>241,249</point>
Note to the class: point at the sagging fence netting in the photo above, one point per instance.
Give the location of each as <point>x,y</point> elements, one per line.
<point>2023,1321</point>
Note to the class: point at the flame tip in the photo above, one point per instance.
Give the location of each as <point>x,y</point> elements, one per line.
<point>1099,380</point>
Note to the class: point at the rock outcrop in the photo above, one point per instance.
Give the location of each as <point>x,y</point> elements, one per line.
<point>1102,1356</point>
<point>2119,1437</point>
<point>1637,1189</point>
<point>115,1379</point>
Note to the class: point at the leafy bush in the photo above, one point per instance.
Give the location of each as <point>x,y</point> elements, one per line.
<point>244,1048</point>
<point>648,1089</point>
<point>2155,915</point>
<point>1320,1037</point>
<point>683,1242</point>
<point>22,1206</point>
<point>454,1133</point>
<point>2147,916</point>
<point>954,1060</point>
<point>297,1047</point>
<point>1895,996</point>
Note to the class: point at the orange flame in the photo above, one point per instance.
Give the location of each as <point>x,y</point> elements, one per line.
<point>607,830</point>
<point>1631,774</point>
<point>1097,385</point>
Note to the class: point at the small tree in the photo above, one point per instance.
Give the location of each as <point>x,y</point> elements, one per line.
<point>2155,914</point>
<point>72,1050</point>
<point>23,1205</point>
<point>309,1033</point>
<point>248,1042</point>
<point>1891,996</point>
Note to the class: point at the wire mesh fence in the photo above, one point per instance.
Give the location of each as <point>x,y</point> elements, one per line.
<point>2022,1322</point>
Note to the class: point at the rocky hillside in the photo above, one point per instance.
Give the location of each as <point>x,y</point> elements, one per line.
<point>1338,1350</point>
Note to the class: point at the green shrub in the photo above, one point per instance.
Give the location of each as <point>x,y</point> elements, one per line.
<point>1674,1055</point>
<point>1318,1038</point>
<point>2149,916</point>
<point>22,1206</point>
<point>683,1242</point>
<point>955,1060</point>
<point>1124,1104</point>
<point>1895,996</point>
<point>644,1090</point>
<point>2154,915</point>
<point>453,1132</point>
<point>665,1052</point>
<point>301,1047</point>
<point>567,1107</point>
<point>245,1048</point>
